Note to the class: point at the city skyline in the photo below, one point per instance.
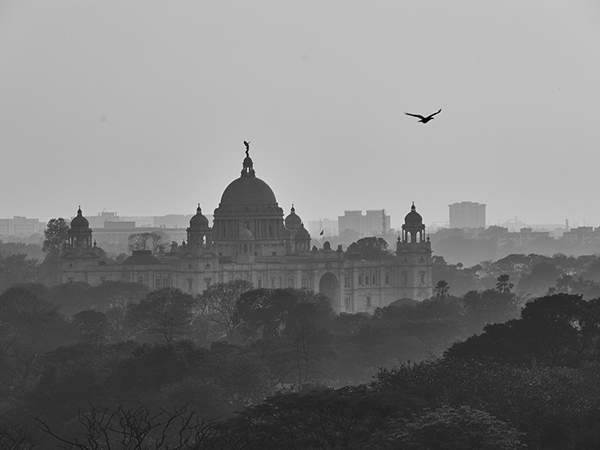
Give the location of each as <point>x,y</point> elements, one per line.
<point>151,119</point>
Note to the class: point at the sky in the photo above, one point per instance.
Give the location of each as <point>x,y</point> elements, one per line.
<point>142,106</point>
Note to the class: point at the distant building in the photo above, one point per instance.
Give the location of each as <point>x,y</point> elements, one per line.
<point>327,226</point>
<point>21,226</point>
<point>467,215</point>
<point>375,222</point>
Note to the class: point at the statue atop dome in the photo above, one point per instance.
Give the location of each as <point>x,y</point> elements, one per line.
<point>247,169</point>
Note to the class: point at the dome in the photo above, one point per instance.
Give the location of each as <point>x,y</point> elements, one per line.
<point>413,217</point>
<point>246,191</point>
<point>302,233</point>
<point>80,221</point>
<point>293,221</point>
<point>199,220</point>
<point>141,258</point>
<point>246,234</point>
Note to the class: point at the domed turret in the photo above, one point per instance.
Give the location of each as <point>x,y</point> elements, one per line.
<point>302,240</point>
<point>80,234</point>
<point>199,234</point>
<point>293,221</point>
<point>413,217</point>
<point>199,220</point>
<point>413,227</point>
<point>80,222</point>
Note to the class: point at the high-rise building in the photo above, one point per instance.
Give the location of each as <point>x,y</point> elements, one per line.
<point>467,215</point>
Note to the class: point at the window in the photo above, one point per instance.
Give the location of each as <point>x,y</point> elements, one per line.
<point>348,304</point>
<point>387,278</point>
<point>207,283</point>
<point>259,282</point>
<point>291,282</point>
<point>374,280</point>
<point>359,280</point>
<point>346,281</point>
<point>274,253</point>
<point>368,301</point>
<point>165,282</point>
<point>304,282</point>
<point>405,277</point>
<point>156,282</point>
<point>190,284</point>
<point>273,282</point>
<point>422,277</point>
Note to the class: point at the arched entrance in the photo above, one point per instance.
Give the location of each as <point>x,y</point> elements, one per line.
<point>328,285</point>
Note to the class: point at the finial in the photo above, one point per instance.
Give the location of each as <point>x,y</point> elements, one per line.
<point>412,208</point>
<point>198,209</point>
<point>247,144</point>
<point>79,211</point>
<point>293,210</point>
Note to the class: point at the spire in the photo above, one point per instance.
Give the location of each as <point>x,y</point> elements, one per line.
<point>293,210</point>
<point>79,213</point>
<point>247,166</point>
<point>198,209</point>
<point>413,208</point>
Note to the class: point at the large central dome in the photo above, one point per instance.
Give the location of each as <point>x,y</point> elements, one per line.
<point>248,190</point>
<point>248,194</point>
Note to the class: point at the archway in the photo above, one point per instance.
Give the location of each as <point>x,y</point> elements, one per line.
<point>328,285</point>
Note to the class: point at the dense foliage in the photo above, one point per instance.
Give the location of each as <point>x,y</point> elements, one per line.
<point>241,368</point>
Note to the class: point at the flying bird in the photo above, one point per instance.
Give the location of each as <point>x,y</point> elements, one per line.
<point>424,119</point>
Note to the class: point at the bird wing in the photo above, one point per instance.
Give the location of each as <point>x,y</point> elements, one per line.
<point>436,113</point>
<point>415,115</point>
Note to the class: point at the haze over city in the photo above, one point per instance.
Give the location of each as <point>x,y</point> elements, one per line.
<point>141,107</point>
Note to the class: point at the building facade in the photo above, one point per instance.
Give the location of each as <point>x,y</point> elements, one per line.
<point>467,215</point>
<point>373,223</point>
<point>250,239</point>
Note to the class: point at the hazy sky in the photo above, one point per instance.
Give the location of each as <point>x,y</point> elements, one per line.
<point>141,107</point>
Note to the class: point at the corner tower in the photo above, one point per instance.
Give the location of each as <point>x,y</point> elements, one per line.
<point>413,252</point>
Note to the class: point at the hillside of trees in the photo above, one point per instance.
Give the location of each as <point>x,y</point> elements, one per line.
<point>241,368</point>
<point>504,356</point>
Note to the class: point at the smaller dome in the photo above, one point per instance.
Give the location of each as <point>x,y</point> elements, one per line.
<point>293,221</point>
<point>141,258</point>
<point>80,221</point>
<point>413,217</point>
<point>302,233</point>
<point>246,234</point>
<point>199,220</point>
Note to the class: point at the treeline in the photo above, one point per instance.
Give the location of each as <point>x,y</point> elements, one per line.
<point>534,275</point>
<point>267,380</point>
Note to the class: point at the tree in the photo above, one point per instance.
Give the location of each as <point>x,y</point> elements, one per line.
<point>503,284</point>
<point>217,305</point>
<point>563,284</point>
<point>459,428</point>
<point>56,236</point>
<point>17,269</point>
<point>135,429</point>
<point>441,289</point>
<point>166,314</point>
<point>157,242</point>
<point>371,248</point>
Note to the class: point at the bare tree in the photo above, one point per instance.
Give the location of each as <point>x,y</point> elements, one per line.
<point>137,429</point>
<point>217,305</point>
